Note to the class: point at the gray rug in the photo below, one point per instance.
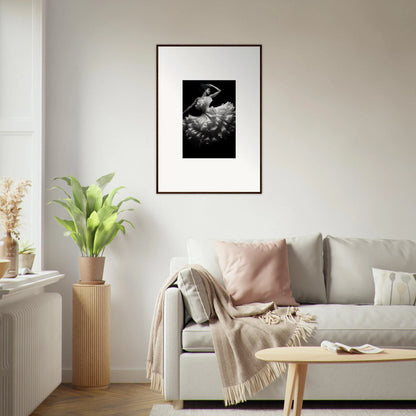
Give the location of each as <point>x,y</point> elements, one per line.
<point>398,409</point>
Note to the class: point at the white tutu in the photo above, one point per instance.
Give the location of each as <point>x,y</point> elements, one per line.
<point>213,125</point>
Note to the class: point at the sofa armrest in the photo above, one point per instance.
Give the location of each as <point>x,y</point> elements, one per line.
<point>173,321</point>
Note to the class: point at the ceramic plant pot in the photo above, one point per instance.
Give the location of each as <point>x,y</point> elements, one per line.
<point>26,261</point>
<point>91,270</point>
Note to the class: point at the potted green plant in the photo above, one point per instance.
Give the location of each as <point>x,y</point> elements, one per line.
<point>27,253</point>
<point>94,221</point>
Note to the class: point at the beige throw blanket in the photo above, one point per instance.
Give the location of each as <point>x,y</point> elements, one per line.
<point>237,332</point>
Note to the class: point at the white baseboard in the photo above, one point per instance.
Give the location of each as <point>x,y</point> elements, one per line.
<point>130,375</point>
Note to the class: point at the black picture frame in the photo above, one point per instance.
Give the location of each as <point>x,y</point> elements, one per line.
<point>208,119</point>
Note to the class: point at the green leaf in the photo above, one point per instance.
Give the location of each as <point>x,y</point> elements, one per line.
<point>63,202</point>
<point>78,242</point>
<point>63,178</point>
<point>61,189</point>
<point>71,230</point>
<point>122,228</point>
<point>130,198</point>
<point>125,210</point>
<point>127,221</point>
<point>104,233</point>
<point>80,222</point>
<point>93,222</point>
<point>106,212</point>
<point>94,199</point>
<point>117,228</point>
<point>104,180</point>
<point>79,196</point>
<point>109,200</point>
<point>68,224</point>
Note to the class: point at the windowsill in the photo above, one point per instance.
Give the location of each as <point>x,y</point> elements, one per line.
<point>28,281</point>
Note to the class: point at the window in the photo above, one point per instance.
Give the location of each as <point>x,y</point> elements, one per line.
<point>21,107</point>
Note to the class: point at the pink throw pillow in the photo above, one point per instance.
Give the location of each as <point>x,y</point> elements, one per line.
<point>256,272</point>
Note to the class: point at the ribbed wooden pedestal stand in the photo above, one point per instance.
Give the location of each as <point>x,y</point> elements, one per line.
<point>91,334</point>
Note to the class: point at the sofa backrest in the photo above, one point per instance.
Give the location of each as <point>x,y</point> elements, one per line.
<point>349,261</point>
<point>335,270</point>
<point>305,264</point>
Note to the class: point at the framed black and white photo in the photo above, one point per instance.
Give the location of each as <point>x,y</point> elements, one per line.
<point>208,119</point>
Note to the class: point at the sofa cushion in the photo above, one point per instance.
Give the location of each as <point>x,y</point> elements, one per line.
<point>305,264</point>
<point>202,251</point>
<point>349,263</point>
<point>197,338</point>
<point>394,288</point>
<point>384,326</point>
<point>195,296</point>
<point>256,272</point>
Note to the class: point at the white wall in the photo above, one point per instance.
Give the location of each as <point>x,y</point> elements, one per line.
<point>339,130</point>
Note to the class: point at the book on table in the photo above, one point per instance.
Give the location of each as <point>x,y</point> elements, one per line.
<point>339,347</point>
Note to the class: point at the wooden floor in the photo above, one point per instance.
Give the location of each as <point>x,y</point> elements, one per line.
<point>117,400</point>
<point>137,400</point>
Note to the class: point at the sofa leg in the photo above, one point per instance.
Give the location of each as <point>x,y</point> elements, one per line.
<point>178,404</point>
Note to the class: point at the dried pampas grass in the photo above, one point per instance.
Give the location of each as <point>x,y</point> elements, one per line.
<point>11,198</point>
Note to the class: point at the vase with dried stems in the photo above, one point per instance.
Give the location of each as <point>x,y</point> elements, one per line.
<point>11,198</point>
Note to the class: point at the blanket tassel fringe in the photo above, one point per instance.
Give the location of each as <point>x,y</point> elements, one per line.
<point>156,380</point>
<point>240,392</point>
<point>272,371</point>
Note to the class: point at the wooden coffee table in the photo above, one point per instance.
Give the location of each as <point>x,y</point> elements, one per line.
<point>298,359</point>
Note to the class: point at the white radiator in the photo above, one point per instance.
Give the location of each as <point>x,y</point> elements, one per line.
<point>30,352</point>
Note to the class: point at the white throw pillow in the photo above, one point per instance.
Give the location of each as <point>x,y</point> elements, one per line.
<point>394,288</point>
<point>202,252</point>
<point>194,295</point>
<point>305,263</point>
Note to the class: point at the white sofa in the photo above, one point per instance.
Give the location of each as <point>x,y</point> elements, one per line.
<point>332,279</point>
